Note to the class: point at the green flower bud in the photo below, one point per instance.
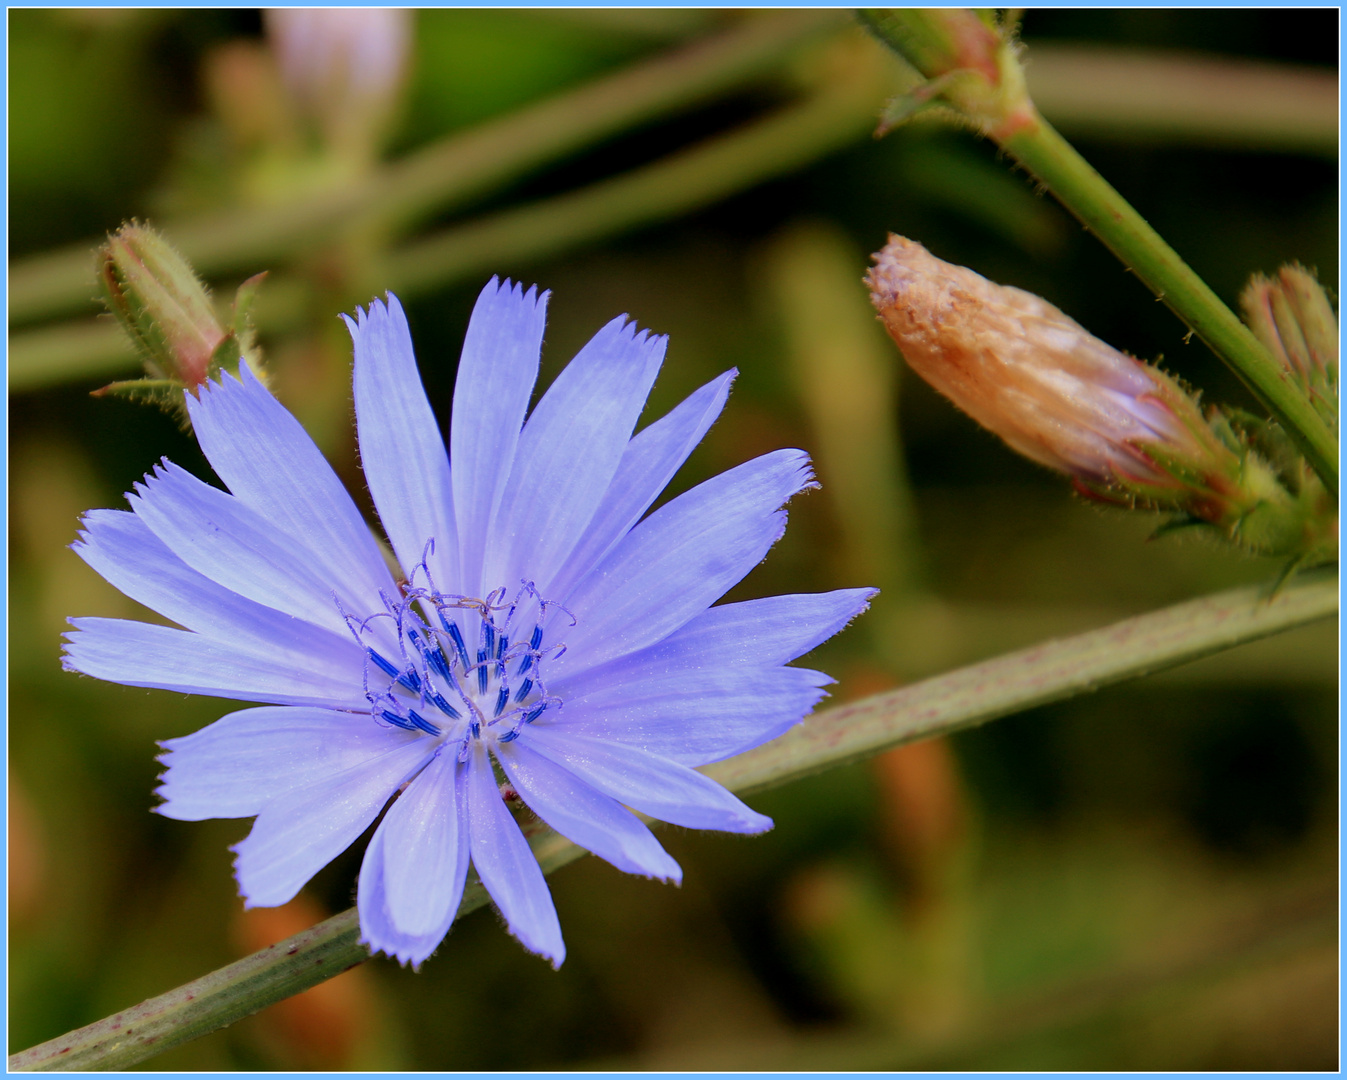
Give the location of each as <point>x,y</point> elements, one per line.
<point>161,304</point>
<point>166,311</point>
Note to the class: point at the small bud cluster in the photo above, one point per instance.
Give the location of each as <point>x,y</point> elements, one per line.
<point>1292,316</point>
<point>1123,430</point>
<point>168,314</point>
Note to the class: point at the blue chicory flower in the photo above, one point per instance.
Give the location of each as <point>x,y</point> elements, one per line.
<point>540,624</point>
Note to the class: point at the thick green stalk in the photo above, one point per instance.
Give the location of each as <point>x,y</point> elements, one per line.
<point>449,172</point>
<point>960,699</point>
<point>1055,162</point>
<point>972,65</point>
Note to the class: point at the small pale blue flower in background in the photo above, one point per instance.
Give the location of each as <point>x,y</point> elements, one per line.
<point>545,642</point>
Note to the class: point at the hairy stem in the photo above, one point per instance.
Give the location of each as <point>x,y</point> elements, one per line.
<point>1048,672</point>
<point>1075,183</point>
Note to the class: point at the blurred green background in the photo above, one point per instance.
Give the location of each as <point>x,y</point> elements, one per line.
<point>1142,879</point>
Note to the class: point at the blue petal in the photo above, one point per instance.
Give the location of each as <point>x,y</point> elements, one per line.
<point>426,851</point>
<point>693,721</point>
<point>754,633</point>
<point>376,928</point>
<point>713,688</point>
<point>506,865</point>
<point>648,464</point>
<point>401,450</point>
<point>141,654</point>
<point>653,785</point>
<point>300,832</point>
<point>568,453</point>
<point>122,548</point>
<point>235,766</point>
<point>679,560</point>
<point>270,464</point>
<point>491,395</point>
<point>222,538</point>
<point>583,816</point>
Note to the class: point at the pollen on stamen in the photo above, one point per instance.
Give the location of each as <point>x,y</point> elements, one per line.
<point>454,632</point>
<point>437,699</point>
<point>384,665</point>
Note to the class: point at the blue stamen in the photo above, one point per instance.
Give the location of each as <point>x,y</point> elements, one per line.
<point>534,642</point>
<point>438,663</point>
<point>424,724</point>
<point>439,702</point>
<point>436,672</point>
<point>455,633</point>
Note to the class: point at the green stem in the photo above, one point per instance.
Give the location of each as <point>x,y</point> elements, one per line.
<point>1054,161</point>
<point>1045,673</point>
<point>451,171</point>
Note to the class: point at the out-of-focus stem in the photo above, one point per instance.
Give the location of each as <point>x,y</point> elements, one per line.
<point>1041,150</point>
<point>678,184</point>
<point>1170,95</point>
<point>83,348</point>
<point>792,136</point>
<point>847,384</point>
<point>451,171</point>
<point>1049,672</point>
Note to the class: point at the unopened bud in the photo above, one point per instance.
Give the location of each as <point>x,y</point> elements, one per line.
<point>1123,430</point>
<point>165,309</point>
<point>160,303</point>
<point>1292,316</point>
<point>1054,392</point>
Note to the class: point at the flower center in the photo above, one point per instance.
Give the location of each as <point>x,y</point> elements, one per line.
<point>458,668</point>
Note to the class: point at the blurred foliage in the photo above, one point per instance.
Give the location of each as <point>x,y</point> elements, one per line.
<point>1146,879</point>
